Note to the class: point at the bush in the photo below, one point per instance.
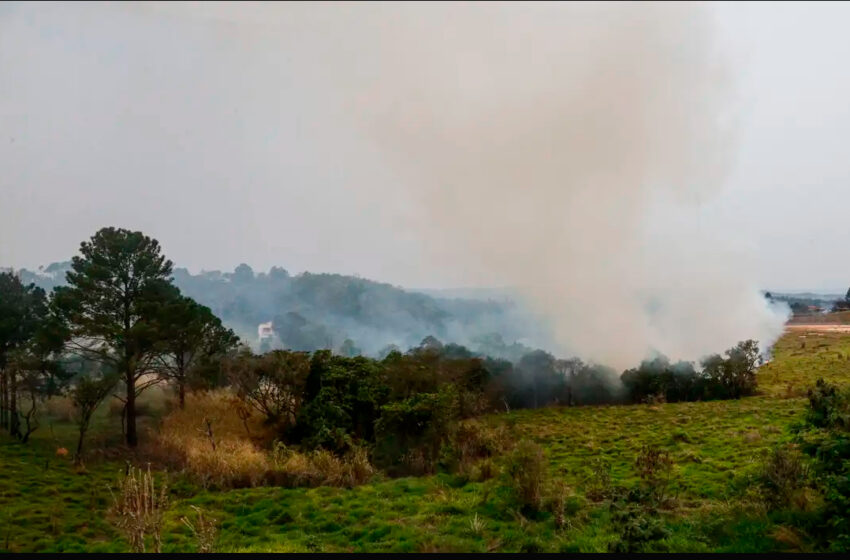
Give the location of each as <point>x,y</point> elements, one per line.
<point>634,512</point>
<point>526,468</point>
<point>654,467</point>
<point>599,485</point>
<point>411,433</point>
<point>637,527</point>
<point>471,448</point>
<point>828,417</point>
<point>828,406</point>
<point>783,474</point>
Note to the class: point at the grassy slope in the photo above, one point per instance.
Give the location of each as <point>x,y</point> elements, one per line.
<point>716,447</point>
<point>837,318</point>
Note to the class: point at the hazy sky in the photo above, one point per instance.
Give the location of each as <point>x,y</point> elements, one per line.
<point>224,131</point>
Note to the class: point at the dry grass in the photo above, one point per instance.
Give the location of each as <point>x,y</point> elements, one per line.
<point>138,508</point>
<point>320,468</point>
<point>527,470</point>
<point>209,441</point>
<point>205,529</point>
<point>60,409</point>
<point>219,447</point>
<point>475,445</point>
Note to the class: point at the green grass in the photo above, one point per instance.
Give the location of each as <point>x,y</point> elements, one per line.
<point>800,358</point>
<point>716,446</point>
<point>45,505</point>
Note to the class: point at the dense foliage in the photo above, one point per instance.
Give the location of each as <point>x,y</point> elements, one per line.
<point>121,324</point>
<point>731,377</point>
<point>407,406</point>
<point>826,437</point>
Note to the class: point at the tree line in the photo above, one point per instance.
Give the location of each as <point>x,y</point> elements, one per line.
<point>119,321</point>
<point>120,325</point>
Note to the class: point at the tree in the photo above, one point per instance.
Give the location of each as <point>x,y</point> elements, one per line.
<point>272,383</point>
<point>110,304</point>
<point>732,377</point>
<point>539,370</point>
<point>242,273</point>
<point>23,311</point>
<point>87,395</point>
<point>343,402</point>
<point>349,349</point>
<point>190,334</point>
<point>36,369</point>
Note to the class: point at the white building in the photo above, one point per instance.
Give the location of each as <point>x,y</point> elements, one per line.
<point>265,330</point>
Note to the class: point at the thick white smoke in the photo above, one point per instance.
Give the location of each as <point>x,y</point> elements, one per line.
<point>562,149</point>
<point>566,150</point>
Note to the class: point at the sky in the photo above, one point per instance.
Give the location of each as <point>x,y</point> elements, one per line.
<point>232,133</point>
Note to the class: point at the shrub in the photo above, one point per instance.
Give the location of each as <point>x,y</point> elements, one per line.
<point>410,433</point>
<point>115,408</point>
<point>526,468</point>
<point>599,485</point>
<point>634,512</point>
<point>654,467</point>
<point>637,527</point>
<point>828,406</point>
<point>471,447</point>
<point>783,474</point>
<point>828,416</point>
<point>358,468</point>
<point>216,446</point>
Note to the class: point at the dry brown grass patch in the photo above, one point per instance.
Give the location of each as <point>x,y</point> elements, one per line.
<point>218,445</point>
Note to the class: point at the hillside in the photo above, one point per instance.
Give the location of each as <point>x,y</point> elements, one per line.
<point>313,311</point>
<point>716,448</point>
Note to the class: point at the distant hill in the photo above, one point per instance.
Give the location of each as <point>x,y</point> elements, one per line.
<point>312,311</point>
<point>814,296</point>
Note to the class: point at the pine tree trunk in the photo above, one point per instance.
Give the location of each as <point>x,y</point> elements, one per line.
<point>182,394</point>
<point>3,404</point>
<point>132,438</point>
<point>78,456</point>
<point>13,403</point>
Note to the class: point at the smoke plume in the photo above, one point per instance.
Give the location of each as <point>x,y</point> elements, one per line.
<point>567,150</point>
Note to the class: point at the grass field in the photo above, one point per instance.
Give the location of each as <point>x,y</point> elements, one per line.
<point>716,447</point>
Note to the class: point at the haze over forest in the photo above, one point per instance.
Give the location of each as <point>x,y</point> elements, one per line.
<point>608,163</point>
<point>446,277</point>
<point>316,311</point>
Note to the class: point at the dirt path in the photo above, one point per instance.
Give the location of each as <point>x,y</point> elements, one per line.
<point>818,327</point>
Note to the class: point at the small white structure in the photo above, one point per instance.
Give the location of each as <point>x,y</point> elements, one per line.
<point>265,330</point>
